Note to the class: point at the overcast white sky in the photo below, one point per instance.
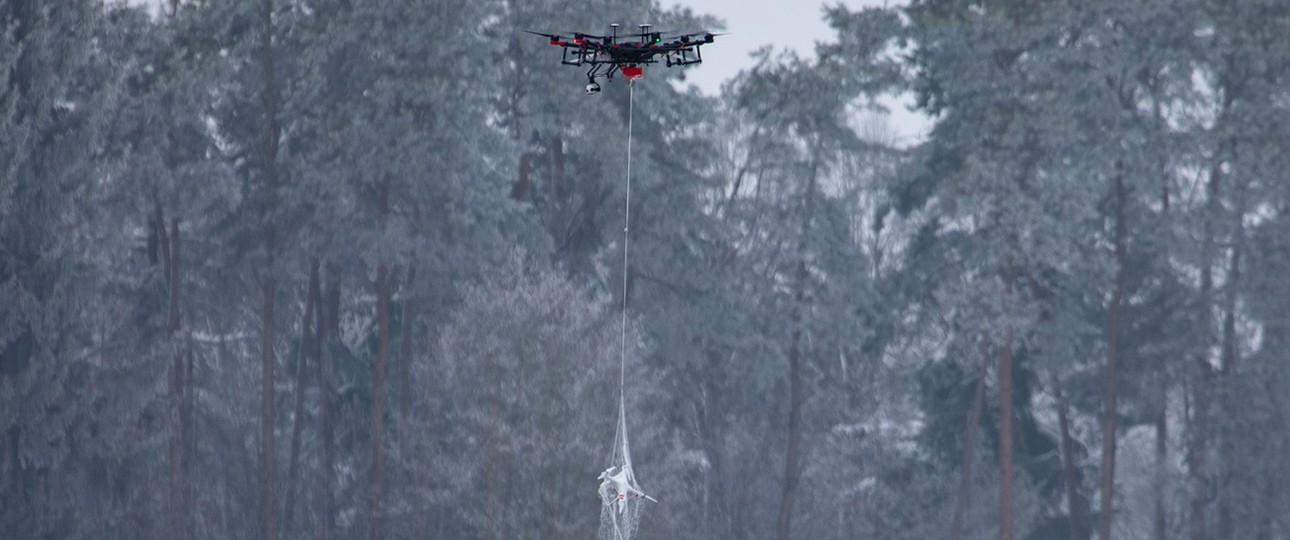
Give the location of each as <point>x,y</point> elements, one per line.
<point>792,24</point>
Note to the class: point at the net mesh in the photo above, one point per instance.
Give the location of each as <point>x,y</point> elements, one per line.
<point>622,500</point>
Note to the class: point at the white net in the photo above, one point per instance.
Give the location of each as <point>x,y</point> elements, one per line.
<point>621,498</point>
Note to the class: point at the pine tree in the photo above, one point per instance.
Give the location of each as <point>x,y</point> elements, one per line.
<point>535,347</point>
<point>1003,203</point>
<point>60,332</point>
<point>804,254</point>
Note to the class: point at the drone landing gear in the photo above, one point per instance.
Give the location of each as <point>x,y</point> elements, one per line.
<point>598,70</point>
<point>631,71</point>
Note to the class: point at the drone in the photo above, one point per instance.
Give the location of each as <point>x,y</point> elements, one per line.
<point>607,55</point>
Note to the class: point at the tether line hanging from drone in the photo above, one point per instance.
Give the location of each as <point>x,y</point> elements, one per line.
<point>627,237</point>
<point>621,496</point>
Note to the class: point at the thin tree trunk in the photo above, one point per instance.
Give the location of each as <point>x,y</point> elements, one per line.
<point>177,384</point>
<point>307,336</point>
<point>1230,354</point>
<point>378,377</point>
<point>176,485</point>
<point>796,399</point>
<point>187,415</point>
<point>378,397</point>
<point>1161,525</point>
<point>792,457</point>
<point>268,458</point>
<point>172,278</point>
<point>327,479</point>
<point>154,237</point>
<point>711,421</point>
<point>514,98</point>
<point>1074,501</point>
<point>1202,399</point>
<point>1228,360</point>
<point>1007,526</point>
<point>1160,522</point>
<point>405,383</point>
<point>1198,405</point>
<point>15,461</point>
<point>269,154</point>
<point>163,240</point>
<point>1106,508</point>
<point>969,446</point>
<point>557,167</point>
<point>521,186</point>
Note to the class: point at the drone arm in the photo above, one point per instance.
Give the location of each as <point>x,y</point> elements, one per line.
<point>577,57</point>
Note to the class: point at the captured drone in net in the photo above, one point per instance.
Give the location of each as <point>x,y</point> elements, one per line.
<point>612,54</point>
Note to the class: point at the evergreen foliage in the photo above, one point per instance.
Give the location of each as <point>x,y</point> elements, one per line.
<point>325,269</point>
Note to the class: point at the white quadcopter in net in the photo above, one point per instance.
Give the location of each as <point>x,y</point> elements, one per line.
<point>616,484</point>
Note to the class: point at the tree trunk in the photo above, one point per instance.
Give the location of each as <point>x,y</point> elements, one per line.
<point>172,278</point>
<point>1106,507</point>
<point>405,383</point>
<point>1074,501</point>
<point>521,186</point>
<point>969,446</point>
<point>188,418</point>
<point>515,97</point>
<point>154,236</point>
<point>1006,467</point>
<point>176,380</point>
<point>188,414</point>
<point>711,424</point>
<point>1199,406</point>
<point>269,155</point>
<point>792,456</point>
<point>268,457</point>
<point>1197,443</point>
<point>378,376</point>
<point>1160,524</point>
<point>330,329</point>
<point>1227,365</point>
<point>178,482</point>
<point>557,167</point>
<point>1007,526</point>
<point>163,240</point>
<point>796,399</point>
<point>307,336</point>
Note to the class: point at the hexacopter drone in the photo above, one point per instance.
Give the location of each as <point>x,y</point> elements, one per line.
<point>608,55</point>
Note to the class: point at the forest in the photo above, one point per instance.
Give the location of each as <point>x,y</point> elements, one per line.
<point>316,269</point>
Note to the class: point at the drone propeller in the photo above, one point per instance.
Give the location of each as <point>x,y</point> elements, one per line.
<point>555,38</point>
<point>699,33</point>
<point>586,35</point>
<point>686,38</point>
<point>583,38</point>
<point>579,38</point>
